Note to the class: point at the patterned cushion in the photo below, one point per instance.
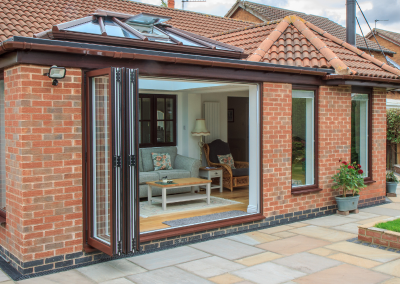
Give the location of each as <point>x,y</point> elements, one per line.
<point>227,160</point>
<point>161,161</point>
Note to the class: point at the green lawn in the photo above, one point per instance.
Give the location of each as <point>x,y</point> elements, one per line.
<point>390,225</point>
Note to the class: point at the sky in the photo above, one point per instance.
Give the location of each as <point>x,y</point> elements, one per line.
<point>335,10</point>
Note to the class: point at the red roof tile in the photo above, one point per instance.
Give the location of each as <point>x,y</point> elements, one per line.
<point>40,15</point>
<point>270,13</point>
<point>279,43</point>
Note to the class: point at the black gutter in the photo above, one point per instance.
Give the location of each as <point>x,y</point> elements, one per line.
<point>156,53</point>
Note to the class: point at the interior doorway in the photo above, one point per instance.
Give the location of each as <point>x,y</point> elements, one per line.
<point>238,127</point>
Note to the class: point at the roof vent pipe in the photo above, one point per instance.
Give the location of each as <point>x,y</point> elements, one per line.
<point>351,22</point>
<point>171,4</point>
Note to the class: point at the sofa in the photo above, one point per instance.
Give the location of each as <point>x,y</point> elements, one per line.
<point>183,167</point>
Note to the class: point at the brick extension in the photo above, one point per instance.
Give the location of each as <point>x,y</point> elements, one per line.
<point>44,192</point>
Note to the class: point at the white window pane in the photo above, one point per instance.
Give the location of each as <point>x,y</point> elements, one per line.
<point>302,138</point>
<point>359,131</point>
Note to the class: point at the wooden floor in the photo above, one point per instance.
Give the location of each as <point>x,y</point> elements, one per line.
<point>239,194</point>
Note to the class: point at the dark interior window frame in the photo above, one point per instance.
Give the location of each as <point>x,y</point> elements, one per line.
<point>153,120</point>
<point>313,187</point>
<point>368,91</point>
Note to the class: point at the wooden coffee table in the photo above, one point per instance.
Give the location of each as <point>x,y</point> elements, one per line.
<point>180,197</point>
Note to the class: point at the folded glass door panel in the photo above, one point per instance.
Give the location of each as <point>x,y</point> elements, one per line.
<point>104,159</point>
<point>131,168</point>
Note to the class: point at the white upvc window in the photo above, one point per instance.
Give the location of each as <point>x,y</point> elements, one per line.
<point>303,140</point>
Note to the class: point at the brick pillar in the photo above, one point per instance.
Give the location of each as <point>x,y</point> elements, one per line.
<point>277,148</point>
<point>334,132</point>
<point>378,146</point>
<point>43,163</point>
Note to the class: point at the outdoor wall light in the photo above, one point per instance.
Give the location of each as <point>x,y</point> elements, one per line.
<point>56,73</point>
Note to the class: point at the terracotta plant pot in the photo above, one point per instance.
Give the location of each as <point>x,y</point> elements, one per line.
<point>347,203</point>
<point>391,187</point>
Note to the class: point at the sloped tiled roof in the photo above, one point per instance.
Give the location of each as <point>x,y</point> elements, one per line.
<point>392,36</point>
<point>270,13</point>
<point>28,17</point>
<point>294,48</point>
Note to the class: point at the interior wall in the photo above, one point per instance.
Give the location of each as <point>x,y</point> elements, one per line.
<point>222,98</point>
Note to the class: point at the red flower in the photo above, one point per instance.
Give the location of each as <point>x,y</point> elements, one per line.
<point>350,167</point>
<point>360,172</point>
<point>359,166</point>
<point>340,160</point>
<point>344,163</point>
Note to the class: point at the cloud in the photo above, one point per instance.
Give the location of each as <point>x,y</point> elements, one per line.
<point>382,10</point>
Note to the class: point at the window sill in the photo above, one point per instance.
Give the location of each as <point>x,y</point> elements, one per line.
<point>305,190</point>
<point>369,181</point>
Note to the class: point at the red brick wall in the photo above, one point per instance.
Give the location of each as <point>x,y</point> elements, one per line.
<point>378,146</point>
<point>334,132</point>
<point>43,163</point>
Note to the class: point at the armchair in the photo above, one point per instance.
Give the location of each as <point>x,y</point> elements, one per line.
<point>231,177</point>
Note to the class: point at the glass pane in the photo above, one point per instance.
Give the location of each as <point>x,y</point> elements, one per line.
<point>144,109</point>
<point>2,150</point>
<point>113,29</point>
<point>302,141</point>
<point>160,131</point>
<point>145,132</point>
<point>359,131</point>
<point>169,131</point>
<point>101,163</point>
<point>90,27</point>
<point>160,109</point>
<point>170,108</point>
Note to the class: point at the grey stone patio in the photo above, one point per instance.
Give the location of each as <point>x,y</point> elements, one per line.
<point>313,251</point>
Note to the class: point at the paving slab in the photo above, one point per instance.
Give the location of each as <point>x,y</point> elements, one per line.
<point>253,238</point>
<point>355,260</point>
<point>394,280</point>
<point>344,273</point>
<point>226,279</point>
<point>362,251</point>
<point>373,220</point>
<point>284,234</point>
<point>258,258</point>
<point>362,216</point>
<point>106,271</point>
<point>268,273</point>
<point>382,211</point>
<point>116,281</point>
<point>322,251</point>
<point>392,268</point>
<point>391,206</point>
<point>307,262</point>
<point>4,277</point>
<point>395,199</point>
<point>298,224</point>
<point>330,221</point>
<point>210,266</point>
<point>276,229</point>
<point>323,233</point>
<point>350,228</point>
<point>168,257</point>
<point>66,277</point>
<point>227,248</point>
<point>167,275</point>
<point>293,245</point>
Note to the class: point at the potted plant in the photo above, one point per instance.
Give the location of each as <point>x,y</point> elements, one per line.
<point>391,182</point>
<point>349,180</point>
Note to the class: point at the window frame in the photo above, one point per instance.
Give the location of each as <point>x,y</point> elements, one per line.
<point>366,91</point>
<point>153,120</point>
<point>313,187</point>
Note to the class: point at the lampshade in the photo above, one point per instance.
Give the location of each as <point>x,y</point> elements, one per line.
<point>200,128</point>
